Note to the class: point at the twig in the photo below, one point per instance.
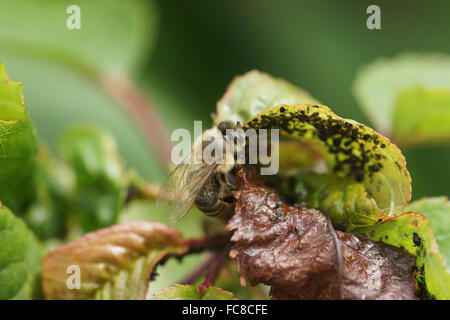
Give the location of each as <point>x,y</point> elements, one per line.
<point>215,242</point>
<point>138,105</point>
<point>212,265</point>
<point>199,271</point>
<point>208,243</point>
<point>213,270</point>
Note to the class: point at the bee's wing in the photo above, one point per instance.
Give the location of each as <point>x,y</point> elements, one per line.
<point>182,187</point>
<point>173,185</point>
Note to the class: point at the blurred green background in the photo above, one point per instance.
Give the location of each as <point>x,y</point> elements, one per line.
<point>183,54</point>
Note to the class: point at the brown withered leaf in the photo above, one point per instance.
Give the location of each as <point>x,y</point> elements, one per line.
<point>298,253</point>
<point>293,250</point>
<point>375,270</point>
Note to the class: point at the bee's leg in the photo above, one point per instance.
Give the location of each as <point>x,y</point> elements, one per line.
<point>226,186</point>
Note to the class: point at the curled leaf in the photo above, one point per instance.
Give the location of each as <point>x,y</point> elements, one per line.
<point>189,292</point>
<point>20,258</point>
<point>113,263</point>
<point>255,92</point>
<point>298,156</point>
<point>350,149</point>
<point>298,253</point>
<point>344,200</point>
<point>412,232</point>
<point>437,212</point>
<point>18,147</point>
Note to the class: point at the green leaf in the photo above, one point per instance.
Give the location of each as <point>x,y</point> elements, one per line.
<point>437,212</point>
<point>55,180</point>
<point>345,201</point>
<point>255,92</point>
<point>422,115</point>
<point>20,258</point>
<point>93,154</point>
<point>412,232</point>
<point>179,292</point>
<point>17,147</point>
<point>189,292</point>
<point>215,293</point>
<point>107,28</point>
<point>349,149</point>
<point>377,86</point>
<point>114,263</point>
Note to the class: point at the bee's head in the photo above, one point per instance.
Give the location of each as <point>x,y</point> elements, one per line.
<point>233,134</point>
<point>224,125</point>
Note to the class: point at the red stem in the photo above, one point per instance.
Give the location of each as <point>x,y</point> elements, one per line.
<point>207,243</point>
<point>199,271</point>
<point>213,270</point>
<point>214,262</point>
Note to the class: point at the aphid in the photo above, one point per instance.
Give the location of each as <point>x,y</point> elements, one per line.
<point>207,183</point>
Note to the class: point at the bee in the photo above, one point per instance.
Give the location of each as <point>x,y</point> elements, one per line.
<point>208,181</point>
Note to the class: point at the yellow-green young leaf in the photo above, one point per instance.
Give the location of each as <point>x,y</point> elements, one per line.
<point>437,212</point>
<point>179,292</point>
<point>422,115</point>
<point>350,149</point>
<point>112,263</point>
<point>189,292</point>
<point>17,147</point>
<point>343,199</point>
<point>20,258</point>
<point>255,92</point>
<point>412,232</point>
<point>93,154</point>
<point>215,293</point>
<point>378,84</point>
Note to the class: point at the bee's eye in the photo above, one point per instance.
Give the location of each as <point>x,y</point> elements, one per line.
<point>222,128</point>
<point>231,178</point>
